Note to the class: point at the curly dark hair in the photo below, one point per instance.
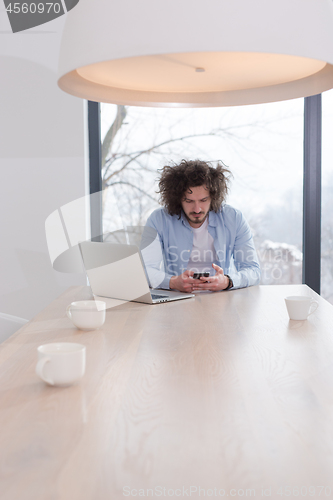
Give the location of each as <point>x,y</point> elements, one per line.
<point>177,179</point>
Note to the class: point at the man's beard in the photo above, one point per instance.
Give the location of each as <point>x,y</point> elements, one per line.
<point>197,220</point>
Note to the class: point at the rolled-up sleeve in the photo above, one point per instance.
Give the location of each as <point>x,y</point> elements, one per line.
<point>246,270</point>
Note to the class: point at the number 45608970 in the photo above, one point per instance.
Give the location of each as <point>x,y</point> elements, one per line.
<point>304,491</point>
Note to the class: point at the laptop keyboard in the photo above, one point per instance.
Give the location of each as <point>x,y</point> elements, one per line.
<point>155,296</point>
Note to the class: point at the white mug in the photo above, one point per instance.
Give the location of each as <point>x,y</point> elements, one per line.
<point>61,363</point>
<point>87,314</point>
<point>299,306</point>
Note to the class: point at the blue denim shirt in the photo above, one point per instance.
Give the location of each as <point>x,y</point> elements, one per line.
<point>167,244</point>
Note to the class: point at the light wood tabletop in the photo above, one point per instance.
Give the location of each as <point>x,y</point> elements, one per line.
<point>220,395</point>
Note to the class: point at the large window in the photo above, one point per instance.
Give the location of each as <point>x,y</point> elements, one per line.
<point>327,199</point>
<point>261,144</point>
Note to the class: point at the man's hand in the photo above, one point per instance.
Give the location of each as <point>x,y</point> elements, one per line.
<point>213,283</point>
<point>184,282</point>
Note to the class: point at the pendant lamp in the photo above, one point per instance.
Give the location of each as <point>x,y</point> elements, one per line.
<point>197,53</point>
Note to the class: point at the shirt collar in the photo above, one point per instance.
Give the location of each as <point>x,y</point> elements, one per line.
<point>184,220</point>
<point>212,219</point>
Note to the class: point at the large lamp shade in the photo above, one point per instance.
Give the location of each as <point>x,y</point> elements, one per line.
<point>195,53</point>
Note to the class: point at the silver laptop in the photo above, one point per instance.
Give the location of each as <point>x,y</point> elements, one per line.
<point>117,271</point>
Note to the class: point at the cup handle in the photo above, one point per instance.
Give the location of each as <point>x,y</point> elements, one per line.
<point>40,367</point>
<point>68,312</point>
<point>313,303</point>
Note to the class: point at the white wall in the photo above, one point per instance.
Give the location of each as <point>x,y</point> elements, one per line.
<point>42,164</point>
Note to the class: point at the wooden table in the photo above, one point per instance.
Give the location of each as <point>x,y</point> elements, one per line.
<point>221,392</point>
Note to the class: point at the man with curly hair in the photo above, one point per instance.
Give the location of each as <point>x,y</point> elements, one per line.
<point>196,232</point>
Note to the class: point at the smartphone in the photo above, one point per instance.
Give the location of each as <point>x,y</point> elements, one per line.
<point>197,276</point>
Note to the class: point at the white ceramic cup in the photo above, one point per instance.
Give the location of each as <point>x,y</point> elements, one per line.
<point>61,363</point>
<point>299,306</point>
<point>87,314</point>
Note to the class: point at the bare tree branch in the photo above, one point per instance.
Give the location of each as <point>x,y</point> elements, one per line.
<point>111,133</point>
<point>153,149</point>
<point>135,187</point>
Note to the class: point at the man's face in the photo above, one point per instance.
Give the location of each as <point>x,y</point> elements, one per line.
<point>196,205</point>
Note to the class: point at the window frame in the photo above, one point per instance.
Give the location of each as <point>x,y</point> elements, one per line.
<point>312,171</point>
